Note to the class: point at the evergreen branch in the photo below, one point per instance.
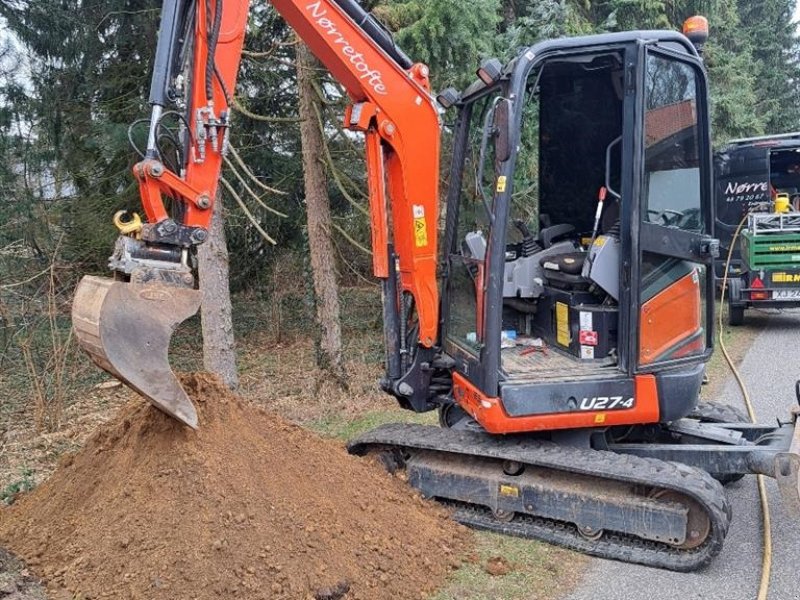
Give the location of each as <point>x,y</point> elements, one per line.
<point>249,173</point>
<point>7,286</point>
<point>329,161</point>
<point>353,269</point>
<point>267,55</point>
<point>351,240</point>
<point>236,105</point>
<point>250,190</point>
<point>270,52</point>
<point>245,210</point>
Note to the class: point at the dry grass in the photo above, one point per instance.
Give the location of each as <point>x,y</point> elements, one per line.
<point>737,341</point>
<point>27,454</point>
<point>284,378</point>
<point>537,571</point>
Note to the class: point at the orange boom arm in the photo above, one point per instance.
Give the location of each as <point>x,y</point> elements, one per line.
<point>391,105</point>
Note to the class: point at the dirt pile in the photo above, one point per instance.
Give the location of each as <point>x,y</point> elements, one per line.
<point>248,507</point>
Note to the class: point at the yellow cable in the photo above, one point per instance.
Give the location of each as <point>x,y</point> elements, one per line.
<point>766,561</point>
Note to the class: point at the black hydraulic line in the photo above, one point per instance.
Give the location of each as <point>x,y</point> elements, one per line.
<point>373,28</point>
<point>391,319</point>
<point>169,33</point>
<point>132,143</point>
<point>213,37</point>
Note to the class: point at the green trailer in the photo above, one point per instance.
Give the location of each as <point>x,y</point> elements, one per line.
<point>769,274</point>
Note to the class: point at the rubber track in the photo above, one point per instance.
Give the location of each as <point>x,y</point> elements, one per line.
<point>619,467</point>
<point>718,412</point>
<point>709,411</point>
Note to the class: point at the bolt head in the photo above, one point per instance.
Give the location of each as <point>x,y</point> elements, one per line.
<point>203,201</point>
<point>388,128</point>
<point>156,169</point>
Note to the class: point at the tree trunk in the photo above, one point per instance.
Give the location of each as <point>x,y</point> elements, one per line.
<point>509,13</point>
<point>219,347</point>
<point>318,213</point>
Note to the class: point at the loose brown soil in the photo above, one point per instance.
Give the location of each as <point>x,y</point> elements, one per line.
<point>497,566</point>
<point>249,506</point>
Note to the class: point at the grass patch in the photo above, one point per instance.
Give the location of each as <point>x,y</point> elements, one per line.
<point>25,483</point>
<point>537,571</point>
<point>344,428</point>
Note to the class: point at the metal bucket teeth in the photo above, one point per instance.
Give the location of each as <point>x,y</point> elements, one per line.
<point>126,329</point>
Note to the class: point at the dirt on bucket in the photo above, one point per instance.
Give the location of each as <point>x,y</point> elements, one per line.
<point>249,506</point>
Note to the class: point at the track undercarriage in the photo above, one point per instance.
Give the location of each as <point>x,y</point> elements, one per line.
<point>608,503</point>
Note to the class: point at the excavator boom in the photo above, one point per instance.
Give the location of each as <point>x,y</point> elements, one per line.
<point>125,325</point>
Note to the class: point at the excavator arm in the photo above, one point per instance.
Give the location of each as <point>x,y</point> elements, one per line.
<point>125,323</point>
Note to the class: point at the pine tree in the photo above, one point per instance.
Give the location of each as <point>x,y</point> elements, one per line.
<point>443,35</point>
<point>776,51</point>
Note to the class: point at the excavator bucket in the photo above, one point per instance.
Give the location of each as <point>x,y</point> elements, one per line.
<point>126,329</point>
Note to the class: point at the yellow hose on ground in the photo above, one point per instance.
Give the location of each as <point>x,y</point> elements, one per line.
<point>766,560</point>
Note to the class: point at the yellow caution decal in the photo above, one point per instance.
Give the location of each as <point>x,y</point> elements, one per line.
<point>420,226</point>
<point>509,490</point>
<point>562,324</point>
<point>501,184</point>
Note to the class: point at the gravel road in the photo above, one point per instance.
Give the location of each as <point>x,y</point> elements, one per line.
<point>770,369</point>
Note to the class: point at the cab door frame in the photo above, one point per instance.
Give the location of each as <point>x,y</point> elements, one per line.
<point>669,241</point>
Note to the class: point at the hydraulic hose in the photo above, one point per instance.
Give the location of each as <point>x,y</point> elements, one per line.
<point>766,559</point>
<point>213,37</point>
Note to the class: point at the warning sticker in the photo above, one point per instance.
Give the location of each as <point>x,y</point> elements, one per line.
<point>420,226</point>
<point>562,324</point>
<point>589,338</point>
<point>509,490</point>
<point>501,183</point>
<point>586,321</point>
<point>587,352</point>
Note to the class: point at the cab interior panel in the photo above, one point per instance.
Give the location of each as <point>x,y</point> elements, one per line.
<point>566,327</point>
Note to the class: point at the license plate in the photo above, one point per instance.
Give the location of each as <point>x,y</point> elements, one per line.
<point>786,295</point>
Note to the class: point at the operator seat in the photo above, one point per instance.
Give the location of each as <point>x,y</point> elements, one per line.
<point>565,270</point>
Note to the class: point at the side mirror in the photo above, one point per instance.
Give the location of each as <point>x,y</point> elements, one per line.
<point>503,123</point>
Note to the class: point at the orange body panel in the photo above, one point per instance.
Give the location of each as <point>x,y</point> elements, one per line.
<point>391,105</point>
<point>493,418</point>
<point>670,319</point>
<point>379,223</point>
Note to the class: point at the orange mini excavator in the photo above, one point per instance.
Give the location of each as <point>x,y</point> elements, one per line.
<point>562,328</point>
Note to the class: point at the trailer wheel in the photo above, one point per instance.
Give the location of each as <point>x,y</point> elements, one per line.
<point>735,305</point>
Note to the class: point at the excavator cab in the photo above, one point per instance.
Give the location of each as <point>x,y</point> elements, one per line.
<point>578,250</point>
